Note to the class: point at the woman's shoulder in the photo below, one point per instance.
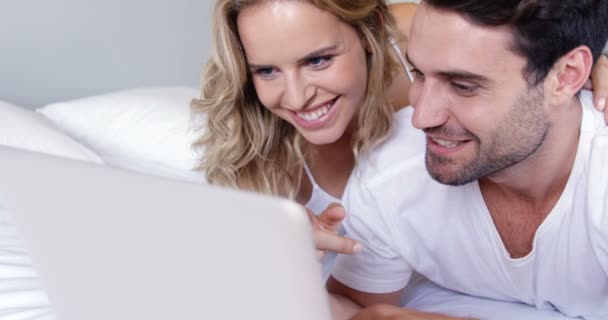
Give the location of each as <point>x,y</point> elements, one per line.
<point>403,13</point>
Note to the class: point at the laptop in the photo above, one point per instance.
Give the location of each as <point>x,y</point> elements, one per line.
<point>115,244</point>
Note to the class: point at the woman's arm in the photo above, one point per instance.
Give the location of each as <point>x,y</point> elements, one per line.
<point>599,81</point>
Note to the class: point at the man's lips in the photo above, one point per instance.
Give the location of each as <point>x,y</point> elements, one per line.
<point>445,145</point>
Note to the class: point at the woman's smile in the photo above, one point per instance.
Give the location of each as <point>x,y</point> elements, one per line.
<point>318,116</point>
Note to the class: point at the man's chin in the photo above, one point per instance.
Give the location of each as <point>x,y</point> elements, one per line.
<point>452,176</point>
<point>448,171</point>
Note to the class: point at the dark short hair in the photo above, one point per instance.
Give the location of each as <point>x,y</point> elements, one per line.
<point>543,30</point>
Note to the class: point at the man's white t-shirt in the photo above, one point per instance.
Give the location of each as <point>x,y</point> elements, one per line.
<point>407,222</point>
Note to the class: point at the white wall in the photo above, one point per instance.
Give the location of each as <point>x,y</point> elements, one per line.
<point>52,50</point>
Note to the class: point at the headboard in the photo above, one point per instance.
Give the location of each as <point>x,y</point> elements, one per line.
<point>62,49</point>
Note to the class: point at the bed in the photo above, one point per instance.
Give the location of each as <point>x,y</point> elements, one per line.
<point>110,82</point>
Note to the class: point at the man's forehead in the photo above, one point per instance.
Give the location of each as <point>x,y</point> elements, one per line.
<point>443,40</point>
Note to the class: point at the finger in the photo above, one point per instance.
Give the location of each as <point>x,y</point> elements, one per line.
<point>332,217</point>
<point>320,255</point>
<point>329,241</point>
<point>599,79</point>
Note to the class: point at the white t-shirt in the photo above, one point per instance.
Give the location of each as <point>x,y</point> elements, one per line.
<point>409,223</point>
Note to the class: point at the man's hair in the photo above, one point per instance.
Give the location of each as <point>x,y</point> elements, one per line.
<point>543,30</point>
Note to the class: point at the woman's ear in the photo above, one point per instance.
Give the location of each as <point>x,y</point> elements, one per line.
<point>366,46</point>
<point>379,23</point>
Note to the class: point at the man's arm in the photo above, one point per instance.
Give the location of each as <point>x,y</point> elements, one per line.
<point>346,302</point>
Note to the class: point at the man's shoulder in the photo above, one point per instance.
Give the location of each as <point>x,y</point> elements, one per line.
<point>597,162</point>
<point>594,144</point>
<point>593,123</point>
<point>596,189</point>
<point>594,136</point>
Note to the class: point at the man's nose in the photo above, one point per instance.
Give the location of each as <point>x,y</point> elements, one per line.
<point>429,105</point>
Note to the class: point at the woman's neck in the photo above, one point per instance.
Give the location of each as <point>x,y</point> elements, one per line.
<point>330,165</point>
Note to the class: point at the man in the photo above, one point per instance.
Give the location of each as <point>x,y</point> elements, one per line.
<point>517,207</point>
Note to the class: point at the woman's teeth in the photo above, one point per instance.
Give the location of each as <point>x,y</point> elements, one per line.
<point>447,143</point>
<point>315,115</point>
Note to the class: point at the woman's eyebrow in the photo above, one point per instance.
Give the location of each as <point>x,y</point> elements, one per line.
<point>313,54</point>
<point>319,52</point>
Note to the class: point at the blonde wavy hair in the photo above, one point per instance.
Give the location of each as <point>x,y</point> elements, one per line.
<point>245,145</point>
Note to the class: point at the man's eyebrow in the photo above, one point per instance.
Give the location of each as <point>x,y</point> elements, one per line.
<point>465,75</point>
<point>319,52</point>
<point>457,74</point>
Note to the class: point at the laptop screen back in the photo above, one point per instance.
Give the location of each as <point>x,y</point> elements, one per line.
<point>114,244</point>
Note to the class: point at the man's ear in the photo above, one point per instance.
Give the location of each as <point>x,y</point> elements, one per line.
<point>570,73</point>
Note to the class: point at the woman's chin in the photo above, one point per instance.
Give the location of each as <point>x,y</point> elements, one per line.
<point>322,138</point>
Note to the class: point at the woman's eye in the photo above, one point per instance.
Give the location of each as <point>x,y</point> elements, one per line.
<point>264,71</point>
<point>319,61</point>
<point>267,73</point>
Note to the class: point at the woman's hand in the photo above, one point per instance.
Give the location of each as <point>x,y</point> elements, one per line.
<point>599,85</point>
<point>326,228</point>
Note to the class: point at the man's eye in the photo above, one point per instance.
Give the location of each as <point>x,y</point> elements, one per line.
<point>464,88</point>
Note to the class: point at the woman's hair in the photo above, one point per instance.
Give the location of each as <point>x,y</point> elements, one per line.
<point>244,144</point>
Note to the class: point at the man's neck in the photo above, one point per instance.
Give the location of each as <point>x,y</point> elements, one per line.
<point>521,197</point>
<point>543,175</point>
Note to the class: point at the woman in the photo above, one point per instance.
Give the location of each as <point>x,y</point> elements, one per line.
<point>284,119</point>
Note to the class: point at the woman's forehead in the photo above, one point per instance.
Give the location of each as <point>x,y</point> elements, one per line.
<point>289,29</point>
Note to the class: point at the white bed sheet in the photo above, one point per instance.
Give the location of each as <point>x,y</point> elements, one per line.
<point>425,295</point>
<point>21,294</point>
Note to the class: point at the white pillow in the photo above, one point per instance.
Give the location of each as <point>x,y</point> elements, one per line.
<point>145,125</point>
<point>25,129</point>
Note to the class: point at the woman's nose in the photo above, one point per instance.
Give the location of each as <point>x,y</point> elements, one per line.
<point>298,93</point>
